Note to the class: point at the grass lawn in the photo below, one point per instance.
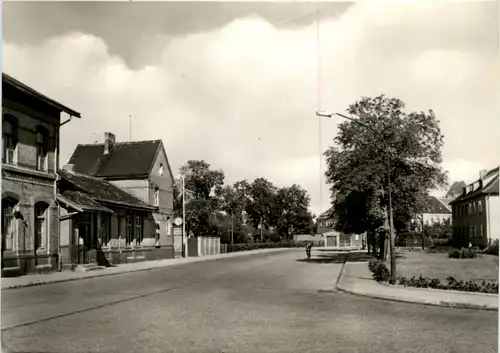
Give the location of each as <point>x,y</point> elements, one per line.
<point>439,265</point>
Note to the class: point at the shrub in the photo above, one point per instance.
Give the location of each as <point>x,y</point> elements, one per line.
<point>434,283</point>
<point>492,249</point>
<point>454,253</point>
<point>453,284</point>
<point>372,264</point>
<point>379,271</point>
<point>463,253</point>
<point>468,254</point>
<point>402,281</point>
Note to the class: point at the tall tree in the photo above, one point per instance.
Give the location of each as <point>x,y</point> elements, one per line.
<point>205,186</point>
<point>357,164</point>
<point>293,215</point>
<point>261,204</point>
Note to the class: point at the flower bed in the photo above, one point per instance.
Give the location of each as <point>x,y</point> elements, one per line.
<point>381,274</point>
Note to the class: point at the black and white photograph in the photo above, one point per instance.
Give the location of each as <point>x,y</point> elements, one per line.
<point>250,177</point>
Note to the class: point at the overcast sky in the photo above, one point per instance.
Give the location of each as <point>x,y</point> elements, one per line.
<point>236,84</point>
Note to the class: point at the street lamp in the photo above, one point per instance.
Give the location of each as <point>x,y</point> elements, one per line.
<point>389,187</point>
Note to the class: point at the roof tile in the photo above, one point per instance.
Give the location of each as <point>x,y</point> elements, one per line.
<point>125,159</point>
<point>102,191</point>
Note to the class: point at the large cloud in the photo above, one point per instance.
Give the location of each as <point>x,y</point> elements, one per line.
<point>243,96</point>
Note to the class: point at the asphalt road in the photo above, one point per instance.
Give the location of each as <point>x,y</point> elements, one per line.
<point>261,303</point>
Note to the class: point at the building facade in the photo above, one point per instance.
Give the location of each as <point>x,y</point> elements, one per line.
<point>103,224</point>
<point>30,214</point>
<point>140,168</point>
<point>434,211</point>
<point>476,212</point>
<point>334,239</point>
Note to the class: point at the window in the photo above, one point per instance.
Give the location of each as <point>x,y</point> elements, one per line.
<point>9,139</point>
<point>474,207</point>
<point>41,149</point>
<point>480,206</point>
<point>470,207</point>
<point>41,226</point>
<point>356,237</point>
<point>169,226</point>
<point>138,229</point>
<point>157,197</point>
<point>129,236</point>
<point>160,171</point>
<point>9,224</point>
<point>105,229</point>
<point>481,231</point>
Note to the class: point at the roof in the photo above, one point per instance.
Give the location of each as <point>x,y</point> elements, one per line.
<point>327,214</point>
<point>455,189</point>
<point>487,185</point>
<point>98,191</point>
<point>6,79</point>
<point>126,159</point>
<point>81,201</point>
<point>433,205</point>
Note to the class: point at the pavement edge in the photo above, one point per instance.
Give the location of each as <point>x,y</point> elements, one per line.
<point>96,275</point>
<point>395,299</point>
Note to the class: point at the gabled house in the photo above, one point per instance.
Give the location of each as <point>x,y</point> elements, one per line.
<point>101,223</point>
<point>434,211</point>
<point>140,168</point>
<point>333,239</point>
<point>476,212</point>
<point>31,124</point>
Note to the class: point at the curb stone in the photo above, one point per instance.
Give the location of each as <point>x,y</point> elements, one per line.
<point>395,299</point>
<point>440,304</point>
<point>442,290</point>
<point>167,264</point>
<point>341,271</point>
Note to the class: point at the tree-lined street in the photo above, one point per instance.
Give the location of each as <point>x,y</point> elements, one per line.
<point>259,303</point>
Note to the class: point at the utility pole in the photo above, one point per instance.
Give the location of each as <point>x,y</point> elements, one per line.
<point>184,238</point>
<point>389,188</point>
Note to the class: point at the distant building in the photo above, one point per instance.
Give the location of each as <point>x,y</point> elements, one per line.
<point>476,212</point>
<point>334,239</point>
<point>30,156</point>
<point>434,211</point>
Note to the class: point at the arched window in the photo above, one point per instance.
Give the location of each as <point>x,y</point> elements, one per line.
<point>41,226</point>
<point>9,139</point>
<point>41,148</point>
<point>160,171</point>
<point>9,224</point>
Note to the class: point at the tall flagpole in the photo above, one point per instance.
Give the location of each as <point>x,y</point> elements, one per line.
<point>184,244</point>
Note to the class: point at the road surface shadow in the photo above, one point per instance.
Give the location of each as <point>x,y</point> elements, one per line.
<point>325,259</point>
<point>364,257</point>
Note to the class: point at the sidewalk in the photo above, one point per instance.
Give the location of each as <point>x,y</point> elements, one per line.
<point>356,279</point>
<point>64,276</point>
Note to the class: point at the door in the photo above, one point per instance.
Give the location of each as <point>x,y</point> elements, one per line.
<point>87,250</point>
<point>331,241</point>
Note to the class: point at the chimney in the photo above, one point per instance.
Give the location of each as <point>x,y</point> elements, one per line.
<point>482,173</point>
<point>70,168</point>
<point>109,141</point>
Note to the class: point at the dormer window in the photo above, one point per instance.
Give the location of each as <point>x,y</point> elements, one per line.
<point>160,171</point>
<point>41,149</point>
